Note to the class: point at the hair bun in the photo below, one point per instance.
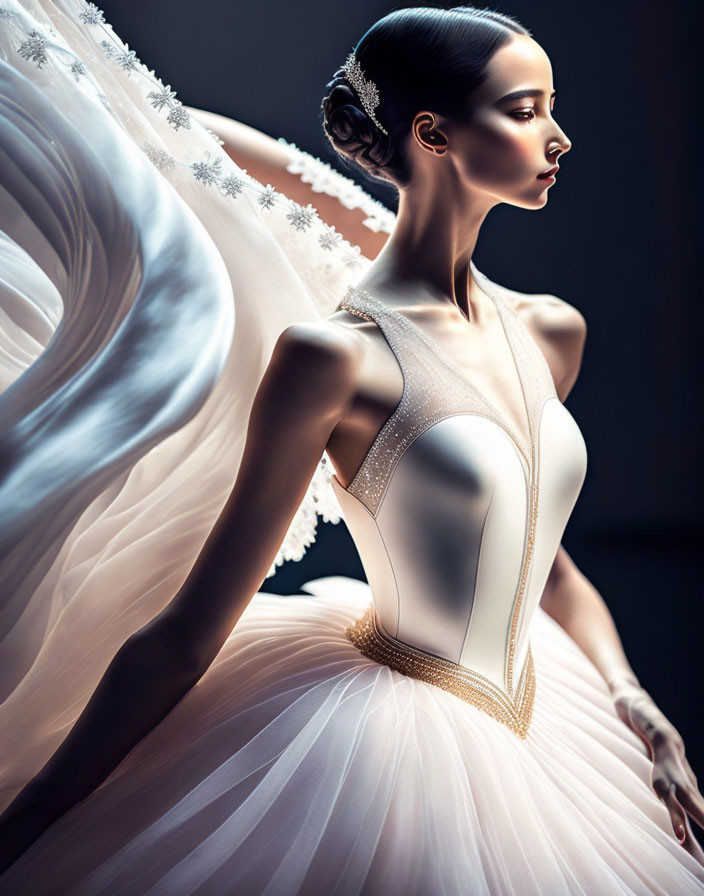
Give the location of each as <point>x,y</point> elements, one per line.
<point>345,117</point>
<point>350,130</point>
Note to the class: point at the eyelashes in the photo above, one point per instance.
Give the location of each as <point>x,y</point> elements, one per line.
<point>522,114</point>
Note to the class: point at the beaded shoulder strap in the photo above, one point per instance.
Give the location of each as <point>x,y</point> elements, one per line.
<point>434,387</point>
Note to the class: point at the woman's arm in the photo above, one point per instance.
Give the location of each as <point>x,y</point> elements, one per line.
<point>266,159</point>
<point>305,390</point>
<point>573,602</point>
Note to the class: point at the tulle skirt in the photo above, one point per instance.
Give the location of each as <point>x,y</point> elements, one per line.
<point>297,765</point>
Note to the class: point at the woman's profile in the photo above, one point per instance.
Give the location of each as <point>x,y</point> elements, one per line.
<point>197,364</point>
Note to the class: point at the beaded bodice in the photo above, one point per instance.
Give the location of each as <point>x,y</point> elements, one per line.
<point>457,518</point>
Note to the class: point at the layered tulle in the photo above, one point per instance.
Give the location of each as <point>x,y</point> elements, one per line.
<point>296,765</point>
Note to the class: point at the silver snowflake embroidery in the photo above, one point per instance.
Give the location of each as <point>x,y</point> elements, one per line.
<point>108,48</point>
<point>127,60</point>
<point>207,172</point>
<point>6,14</point>
<point>33,49</point>
<point>164,96</point>
<point>301,218</point>
<point>232,186</point>
<point>78,70</point>
<point>352,258</point>
<point>179,118</point>
<point>329,239</point>
<point>267,197</point>
<point>159,157</point>
<point>91,15</point>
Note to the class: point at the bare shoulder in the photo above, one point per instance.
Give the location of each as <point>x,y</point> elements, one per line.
<point>547,314</point>
<point>324,341</point>
<point>559,329</point>
<point>317,359</point>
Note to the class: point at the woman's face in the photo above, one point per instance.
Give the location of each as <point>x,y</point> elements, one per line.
<point>507,141</point>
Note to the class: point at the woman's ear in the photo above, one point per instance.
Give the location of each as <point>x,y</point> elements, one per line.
<point>427,134</point>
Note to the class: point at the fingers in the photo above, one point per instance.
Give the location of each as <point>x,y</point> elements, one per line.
<point>688,769</point>
<point>692,846</point>
<point>695,850</point>
<point>691,800</point>
<point>680,798</point>
<point>679,751</point>
<point>666,791</point>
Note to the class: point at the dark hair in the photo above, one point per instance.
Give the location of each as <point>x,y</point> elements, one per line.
<point>419,58</point>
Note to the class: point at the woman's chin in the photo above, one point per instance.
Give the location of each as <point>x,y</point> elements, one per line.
<point>536,201</point>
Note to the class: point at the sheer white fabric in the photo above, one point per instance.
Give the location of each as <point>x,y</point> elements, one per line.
<point>323,178</point>
<point>137,320</point>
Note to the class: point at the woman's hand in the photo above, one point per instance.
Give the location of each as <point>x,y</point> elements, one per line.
<point>672,777</point>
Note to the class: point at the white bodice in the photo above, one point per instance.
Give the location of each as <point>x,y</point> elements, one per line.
<point>456,519</point>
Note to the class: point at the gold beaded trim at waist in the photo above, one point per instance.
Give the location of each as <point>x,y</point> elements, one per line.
<point>470,686</point>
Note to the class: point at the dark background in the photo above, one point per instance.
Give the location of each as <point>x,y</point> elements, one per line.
<point>617,239</point>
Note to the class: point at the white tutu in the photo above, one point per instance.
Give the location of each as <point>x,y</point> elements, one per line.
<point>296,765</point>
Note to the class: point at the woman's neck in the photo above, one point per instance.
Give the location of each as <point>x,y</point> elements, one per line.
<point>427,256</point>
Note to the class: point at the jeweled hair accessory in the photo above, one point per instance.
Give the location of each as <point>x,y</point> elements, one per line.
<point>366,89</point>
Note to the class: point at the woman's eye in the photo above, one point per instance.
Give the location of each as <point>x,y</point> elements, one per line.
<point>523,114</point>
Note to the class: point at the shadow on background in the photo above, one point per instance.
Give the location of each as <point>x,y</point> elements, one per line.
<point>617,240</point>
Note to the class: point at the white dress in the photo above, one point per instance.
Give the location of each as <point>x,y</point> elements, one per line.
<point>431,732</point>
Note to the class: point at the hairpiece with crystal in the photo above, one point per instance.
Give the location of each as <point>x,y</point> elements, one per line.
<point>366,89</point>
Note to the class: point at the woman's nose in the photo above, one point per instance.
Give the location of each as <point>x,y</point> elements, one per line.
<point>565,142</point>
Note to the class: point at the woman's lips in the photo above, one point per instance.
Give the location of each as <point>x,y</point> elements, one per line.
<point>551,172</point>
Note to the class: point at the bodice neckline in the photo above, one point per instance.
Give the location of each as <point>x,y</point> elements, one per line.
<point>521,443</point>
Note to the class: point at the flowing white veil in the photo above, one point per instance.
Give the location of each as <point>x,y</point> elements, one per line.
<point>145,279</point>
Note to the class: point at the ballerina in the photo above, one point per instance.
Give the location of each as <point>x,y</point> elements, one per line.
<point>466,721</point>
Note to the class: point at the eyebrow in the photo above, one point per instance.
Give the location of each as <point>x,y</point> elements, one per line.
<point>519,94</point>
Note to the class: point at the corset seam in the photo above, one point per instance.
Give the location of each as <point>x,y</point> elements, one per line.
<point>476,577</point>
<point>393,571</point>
<point>380,534</point>
<point>536,476</point>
